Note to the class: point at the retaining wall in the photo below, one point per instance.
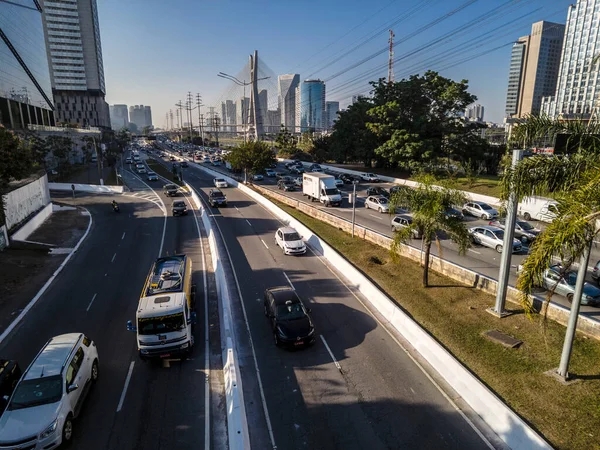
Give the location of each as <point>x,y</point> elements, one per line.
<point>33,223</point>
<point>26,200</point>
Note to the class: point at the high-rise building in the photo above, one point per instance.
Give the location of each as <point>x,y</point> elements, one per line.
<point>75,58</point>
<point>148,116</point>
<point>273,121</point>
<point>139,114</point>
<point>475,112</point>
<point>242,110</point>
<point>119,117</point>
<point>534,69</point>
<point>310,106</point>
<point>228,115</point>
<point>332,109</point>
<point>25,87</point>
<point>287,85</point>
<point>578,86</point>
<point>263,102</point>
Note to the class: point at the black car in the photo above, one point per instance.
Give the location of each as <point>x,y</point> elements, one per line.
<point>170,190</point>
<point>184,164</point>
<point>179,208</point>
<point>348,179</point>
<point>289,318</point>
<point>378,191</point>
<point>286,184</point>
<point>10,373</point>
<point>216,198</point>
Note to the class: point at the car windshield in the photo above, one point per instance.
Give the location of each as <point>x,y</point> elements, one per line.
<point>290,311</point>
<point>220,180</point>
<point>382,200</point>
<point>485,206</point>
<point>178,204</point>
<point>40,391</point>
<point>526,226</point>
<point>291,236</point>
<point>161,324</point>
<point>151,173</point>
<point>331,191</point>
<point>217,194</point>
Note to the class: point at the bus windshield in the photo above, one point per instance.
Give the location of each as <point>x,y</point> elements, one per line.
<point>161,324</point>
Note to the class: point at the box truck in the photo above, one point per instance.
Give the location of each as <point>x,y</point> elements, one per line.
<point>321,187</point>
<point>537,208</point>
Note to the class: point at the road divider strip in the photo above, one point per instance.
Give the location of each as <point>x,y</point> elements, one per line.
<point>509,427</point>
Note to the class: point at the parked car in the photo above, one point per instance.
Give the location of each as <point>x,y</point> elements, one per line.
<point>480,209</point>
<point>403,221</point>
<point>564,284</point>
<point>376,190</point>
<point>152,176</point>
<point>220,183</point>
<point>369,177</point>
<point>216,163</point>
<point>298,181</point>
<point>9,377</point>
<point>270,173</point>
<point>290,321</point>
<point>454,214</point>
<point>492,237</point>
<point>257,177</point>
<point>170,190</point>
<point>179,208</point>
<point>523,230</point>
<point>216,198</point>
<point>50,394</point>
<point>290,241</point>
<point>377,202</point>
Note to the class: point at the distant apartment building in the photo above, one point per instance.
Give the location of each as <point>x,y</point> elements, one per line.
<point>331,111</point>
<point>273,121</point>
<point>148,116</point>
<point>578,88</point>
<point>533,73</point>
<point>263,103</point>
<point>74,55</point>
<point>310,106</point>
<point>286,86</point>
<point>228,108</point>
<point>475,113</point>
<point>242,111</point>
<point>25,86</point>
<point>119,117</point>
<point>140,115</point>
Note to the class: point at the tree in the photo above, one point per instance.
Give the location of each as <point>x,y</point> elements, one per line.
<point>39,150</point>
<point>60,148</point>
<point>146,130</point>
<point>253,156</point>
<point>428,204</point>
<point>414,118</point>
<point>87,147</point>
<point>285,142</point>
<point>16,160</point>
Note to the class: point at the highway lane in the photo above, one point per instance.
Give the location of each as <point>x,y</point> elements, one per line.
<point>377,399</point>
<point>163,407</point>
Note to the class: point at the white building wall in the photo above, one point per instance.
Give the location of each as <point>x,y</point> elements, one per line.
<point>24,201</point>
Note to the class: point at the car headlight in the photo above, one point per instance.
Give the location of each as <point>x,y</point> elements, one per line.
<point>48,431</point>
<point>281,332</point>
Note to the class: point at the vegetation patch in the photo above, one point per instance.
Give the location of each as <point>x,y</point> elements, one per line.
<point>163,172</point>
<point>568,416</point>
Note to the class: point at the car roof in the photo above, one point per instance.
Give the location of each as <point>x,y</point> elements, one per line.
<point>489,227</point>
<point>216,191</point>
<point>52,358</point>
<point>282,294</point>
<point>287,230</point>
<point>403,216</point>
<point>479,203</point>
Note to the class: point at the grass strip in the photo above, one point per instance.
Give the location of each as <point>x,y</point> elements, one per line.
<point>163,171</point>
<point>568,416</point>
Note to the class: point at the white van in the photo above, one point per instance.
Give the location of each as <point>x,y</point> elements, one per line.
<point>538,208</point>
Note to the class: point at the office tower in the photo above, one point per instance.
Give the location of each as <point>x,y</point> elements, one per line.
<point>310,106</point>
<point>332,109</point>
<point>148,116</point>
<point>475,113</point>
<point>578,79</point>
<point>518,61</point>
<point>75,58</point>
<point>242,110</point>
<point>228,115</point>
<point>273,121</point>
<point>137,115</point>
<point>286,86</point>
<point>119,117</point>
<point>263,101</point>
<point>25,87</point>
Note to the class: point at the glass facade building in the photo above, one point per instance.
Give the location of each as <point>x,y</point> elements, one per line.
<point>578,80</point>
<point>310,106</point>
<point>515,75</point>
<point>25,87</point>
<point>287,85</point>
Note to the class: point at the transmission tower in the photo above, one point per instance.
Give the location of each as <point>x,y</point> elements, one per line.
<point>198,106</point>
<point>391,59</point>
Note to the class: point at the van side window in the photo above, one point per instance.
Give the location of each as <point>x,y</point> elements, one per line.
<point>73,368</point>
<point>86,341</point>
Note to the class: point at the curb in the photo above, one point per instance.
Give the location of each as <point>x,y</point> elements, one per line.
<point>44,288</point>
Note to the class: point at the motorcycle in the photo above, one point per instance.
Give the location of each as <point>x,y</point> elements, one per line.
<point>115,207</point>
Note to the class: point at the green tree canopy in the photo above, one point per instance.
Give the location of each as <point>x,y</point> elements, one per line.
<point>254,156</point>
<point>16,160</point>
<point>285,142</point>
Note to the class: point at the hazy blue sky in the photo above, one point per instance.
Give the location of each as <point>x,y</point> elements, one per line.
<point>155,51</point>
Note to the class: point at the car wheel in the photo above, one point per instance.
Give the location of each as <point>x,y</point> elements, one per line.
<point>95,371</point>
<point>465,212</point>
<point>67,431</point>
<point>366,206</point>
<point>380,210</point>
<point>499,248</point>
<point>570,298</point>
<point>527,216</point>
<point>484,217</point>
<point>276,339</point>
<point>524,239</point>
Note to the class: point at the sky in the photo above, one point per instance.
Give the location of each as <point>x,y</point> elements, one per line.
<point>155,51</point>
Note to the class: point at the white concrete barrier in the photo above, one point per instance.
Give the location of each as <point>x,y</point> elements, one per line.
<point>513,430</point>
<point>33,223</point>
<point>237,423</point>
<point>93,188</point>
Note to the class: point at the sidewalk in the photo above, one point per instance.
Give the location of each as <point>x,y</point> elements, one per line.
<point>26,270</point>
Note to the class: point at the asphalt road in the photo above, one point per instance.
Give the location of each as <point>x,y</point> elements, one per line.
<point>163,406</point>
<point>355,388</point>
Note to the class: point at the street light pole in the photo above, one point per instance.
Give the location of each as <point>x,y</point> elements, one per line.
<point>353,205</point>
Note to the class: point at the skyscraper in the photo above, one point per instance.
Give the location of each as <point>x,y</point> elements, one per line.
<point>139,116</point>
<point>228,115</point>
<point>287,85</point>
<point>242,110</point>
<point>310,106</point>
<point>579,79</point>
<point>119,117</point>
<point>75,57</point>
<point>518,61</point>
<point>263,99</point>
<point>25,87</point>
<point>475,112</point>
<point>332,109</point>
<point>148,116</point>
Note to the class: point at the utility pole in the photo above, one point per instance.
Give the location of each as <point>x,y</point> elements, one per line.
<point>391,59</point>
<point>177,116</point>
<point>171,115</point>
<point>198,106</point>
<point>201,119</point>
<point>353,205</point>
<point>179,104</point>
<point>216,121</point>
<point>189,110</point>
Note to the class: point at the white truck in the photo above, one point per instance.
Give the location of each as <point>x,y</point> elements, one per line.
<point>537,208</point>
<point>321,187</point>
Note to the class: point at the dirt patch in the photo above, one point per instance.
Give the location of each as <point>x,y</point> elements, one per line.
<point>62,228</point>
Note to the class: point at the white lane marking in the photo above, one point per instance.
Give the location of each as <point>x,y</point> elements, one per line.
<point>337,364</point>
<point>237,208</point>
<point>113,258</point>
<point>92,301</point>
<point>288,280</point>
<point>123,237</point>
<point>248,222</point>
<point>264,243</point>
<point>473,251</point>
<point>377,217</point>
<point>127,380</point>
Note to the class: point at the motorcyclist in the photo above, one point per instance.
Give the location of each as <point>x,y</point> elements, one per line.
<point>114,204</point>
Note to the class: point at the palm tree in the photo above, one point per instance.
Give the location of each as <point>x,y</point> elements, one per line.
<point>573,180</point>
<point>428,204</point>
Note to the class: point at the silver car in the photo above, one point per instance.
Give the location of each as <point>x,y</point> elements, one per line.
<point>377,202</point>
<point>403,221</point>
<point>523,230</point>
<point>480,209</point>
<point>492,237</point>
<point>565,286</point>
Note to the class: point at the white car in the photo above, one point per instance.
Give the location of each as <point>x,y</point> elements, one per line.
<point>480,209</point>
<point>141,170</point>
<point>290,241</point>
<point>369,177</point>
<point>220,183</point>
<point>152,176</point>
<point>49,396</point>
<point>377,202</point>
